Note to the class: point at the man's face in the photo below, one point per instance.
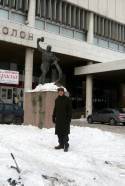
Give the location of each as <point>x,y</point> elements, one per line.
<point>61,93</point>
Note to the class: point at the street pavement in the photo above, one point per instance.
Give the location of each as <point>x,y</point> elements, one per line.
<point>120,129</point>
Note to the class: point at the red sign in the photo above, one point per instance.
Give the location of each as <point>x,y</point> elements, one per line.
<point>9,77</point>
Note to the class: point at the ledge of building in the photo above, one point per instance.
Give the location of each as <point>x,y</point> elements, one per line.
<point>100,67</point>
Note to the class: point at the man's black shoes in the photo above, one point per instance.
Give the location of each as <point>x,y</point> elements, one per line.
<point>59,147</point>
<point>66,147</point>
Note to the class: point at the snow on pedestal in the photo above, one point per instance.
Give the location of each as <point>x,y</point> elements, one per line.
<point>47,87</point>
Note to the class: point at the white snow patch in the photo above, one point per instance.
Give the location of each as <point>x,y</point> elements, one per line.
<point>46,87</point>
<point>95,157</point>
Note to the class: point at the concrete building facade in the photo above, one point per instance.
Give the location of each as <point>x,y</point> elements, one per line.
<point>87,35</point>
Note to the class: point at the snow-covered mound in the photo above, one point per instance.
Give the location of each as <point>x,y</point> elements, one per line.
<point>46,87</point>
<point>95,157</point>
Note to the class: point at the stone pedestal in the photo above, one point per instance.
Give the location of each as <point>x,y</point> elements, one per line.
<point>38,108</point>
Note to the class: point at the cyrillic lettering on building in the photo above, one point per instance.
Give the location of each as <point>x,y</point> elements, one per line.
<point>22,35</point>
<point>5,30</point>
<point>14,32</point>
<point>30,36</point>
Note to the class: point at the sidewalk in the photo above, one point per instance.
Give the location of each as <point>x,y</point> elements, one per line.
<point>79,122</point>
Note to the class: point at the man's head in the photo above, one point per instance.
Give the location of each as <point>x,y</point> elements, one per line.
<point>60,91</point>
<point>48,48</point>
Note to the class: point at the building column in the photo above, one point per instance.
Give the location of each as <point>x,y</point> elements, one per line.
<point>89,78</point>
<point>89,85</point>
<point>31,13</point>
<point>28,69</point>
<point>90,33</point>
<point>29,51</point>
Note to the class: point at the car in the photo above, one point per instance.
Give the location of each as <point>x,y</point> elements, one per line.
<point>11,113</point>
<point>108,115</point>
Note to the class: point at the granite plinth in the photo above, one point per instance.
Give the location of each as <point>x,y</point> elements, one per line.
<point>38,108</point>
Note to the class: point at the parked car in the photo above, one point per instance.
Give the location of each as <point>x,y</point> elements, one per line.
<point>10,113</point>
<point>108,115</point>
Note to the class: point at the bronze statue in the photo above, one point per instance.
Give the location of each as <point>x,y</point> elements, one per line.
<point>49,64</point>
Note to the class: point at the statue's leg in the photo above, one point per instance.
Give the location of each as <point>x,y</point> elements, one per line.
<point>42,77</point>
<point>40,80</point>
<point>54,75</point>
<point>59,71</point>
<point>44,70</point>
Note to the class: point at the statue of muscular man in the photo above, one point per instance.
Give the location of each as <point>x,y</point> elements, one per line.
<point>49,62</point>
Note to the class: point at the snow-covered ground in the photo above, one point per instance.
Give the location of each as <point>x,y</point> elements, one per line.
<point>95,157</point>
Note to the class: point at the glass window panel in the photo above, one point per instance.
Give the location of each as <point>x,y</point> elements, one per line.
<point>52,28</point>
<point>1,2</point>
<point>103,43</point>
<point>64,13</point>
<point>95,24</point>
<point>9,94</point>
<point>43,8</point>
<point>18,18</point>
<point>106,29</point>
<point>39,24</point>
<point>68,14</point>
<point>113,46</point>
<point>53,9</point>
<point>79,35</point>
<point>4,14</point>
<point>38,8</point>
<point>6,2</point>
<point>95,41</point>
<point>67,32</point>
<point>59,11</point>
<point>121,48</point>
<point>4,93</point>
<point>78,18</point>
<point>73,16</point>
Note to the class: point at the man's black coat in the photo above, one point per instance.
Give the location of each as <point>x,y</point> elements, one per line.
<point>62,114</point>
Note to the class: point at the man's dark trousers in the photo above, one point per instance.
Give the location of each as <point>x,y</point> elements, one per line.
<point>63,140</point>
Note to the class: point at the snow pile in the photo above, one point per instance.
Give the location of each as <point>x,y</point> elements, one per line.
<point>95,157</point>
<point>47,87</point>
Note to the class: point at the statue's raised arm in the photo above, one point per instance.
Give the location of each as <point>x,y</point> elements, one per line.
<point>38,45</point>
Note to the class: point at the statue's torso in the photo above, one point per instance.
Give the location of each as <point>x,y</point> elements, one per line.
<point>47,57</point>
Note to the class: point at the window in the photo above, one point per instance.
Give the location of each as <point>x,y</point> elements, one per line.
<point>68,13</point>
<point>9,94</point>
<point>73,16</point>
<point>106,31</point>
<point>110,29</point>
<point>78,18</point>
<point>21,5</point>
<point>4,93</point>
<point>62,12</point>
<point>38,6</point>
<point>59,11</point>
<point>48,9</point>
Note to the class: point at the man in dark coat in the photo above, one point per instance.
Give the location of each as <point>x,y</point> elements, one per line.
<point>62,114</point>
